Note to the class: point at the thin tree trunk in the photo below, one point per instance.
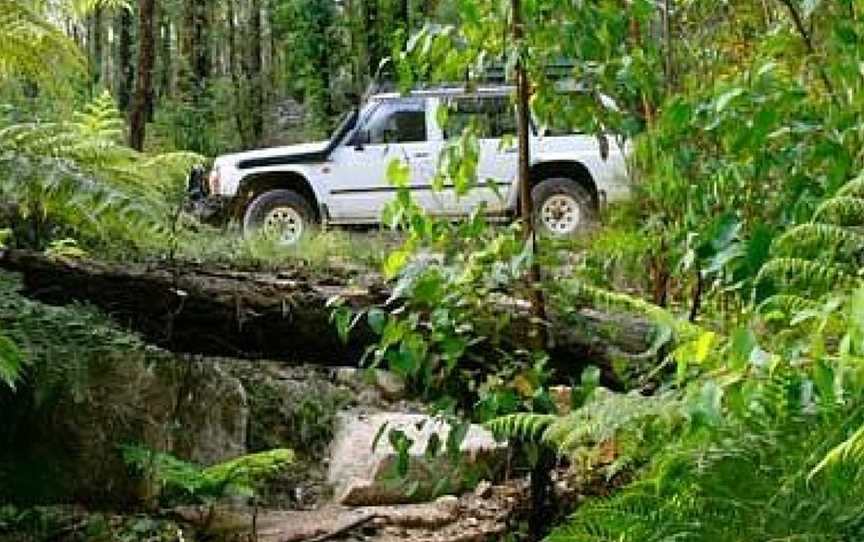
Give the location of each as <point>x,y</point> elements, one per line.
<point>538,305</point>
<point>254,77</point>
<point>541,483</point>
<point>811,49</point>
<point>125,74</point>
<point>670,53</point>
<point>144,83</point>
<point>234,69</point>
<point>199,50</point>
<point>96,49</point>
<point>166,63</point>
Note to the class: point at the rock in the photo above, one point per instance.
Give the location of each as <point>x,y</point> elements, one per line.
<point>413,516</point>
<point>483,489</point>
<point>391,386</point>
<point>189,407</point>
<point>448,502</point>
<point>362,476</point>
<point>275,525</point>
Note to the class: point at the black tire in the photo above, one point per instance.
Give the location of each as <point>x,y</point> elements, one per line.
<point>571,199</point>
<point>262,207</point>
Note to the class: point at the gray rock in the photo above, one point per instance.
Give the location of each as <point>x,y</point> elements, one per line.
<point>363,476</point>
<point>191,408</point>
<point>391,385</point>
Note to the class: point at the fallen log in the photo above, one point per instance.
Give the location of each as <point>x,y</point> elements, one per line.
<point>212,311</point>
<point>281,315</point>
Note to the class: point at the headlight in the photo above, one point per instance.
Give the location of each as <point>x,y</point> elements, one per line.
<point>213,182</point>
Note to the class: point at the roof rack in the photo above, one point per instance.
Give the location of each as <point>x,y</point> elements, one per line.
<point>494,77</point>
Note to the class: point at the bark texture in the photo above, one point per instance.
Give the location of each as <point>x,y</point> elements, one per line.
<point>282,315</point>
<point>141,103</point>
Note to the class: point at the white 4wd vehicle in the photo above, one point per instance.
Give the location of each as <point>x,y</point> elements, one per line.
<point>287,190</point>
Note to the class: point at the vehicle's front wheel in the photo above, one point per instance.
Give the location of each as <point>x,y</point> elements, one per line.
<point>563,208</point>
<point>283,215</point>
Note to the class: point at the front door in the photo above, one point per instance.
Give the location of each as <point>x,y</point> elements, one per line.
<point>390,130</point>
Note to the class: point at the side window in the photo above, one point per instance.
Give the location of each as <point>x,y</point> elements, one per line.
<point>493,117</point>
<point>397,122</point>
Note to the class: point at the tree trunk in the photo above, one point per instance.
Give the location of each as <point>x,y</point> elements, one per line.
<point>538,304</point>
<point>254,77</point>
<point>166,64</point>
<point>125,74</point>
<point>234,69</point>
<point>144,84</point>
<point>97,32</point>
<point>197,44</point>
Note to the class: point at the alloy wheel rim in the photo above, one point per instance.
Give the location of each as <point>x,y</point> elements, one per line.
<point>284,224</point>
<point>560,214</point>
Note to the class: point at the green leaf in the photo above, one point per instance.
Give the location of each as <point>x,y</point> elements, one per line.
<point>395,262</point>
<point>376,318</point>
<point>726,98</point>
<point>398,174</point>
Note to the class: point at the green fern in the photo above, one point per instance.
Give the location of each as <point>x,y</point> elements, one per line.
<point>815,276</point>
<point>237,477</point>
<point>820,237</point>
<point>524,426</point>
<point>845,210</point>
<point>29,44</point>
<point>629,423</point>
<point>571,292</point>
<point>80,175</point>
<point>853,188</point>
<point>746,481</point>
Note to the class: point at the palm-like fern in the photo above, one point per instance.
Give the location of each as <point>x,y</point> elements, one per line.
<point>825,255</point>
<point>629,423</point>
<point>747,481</point>
<point>29,43</point>
<point>79,175</point>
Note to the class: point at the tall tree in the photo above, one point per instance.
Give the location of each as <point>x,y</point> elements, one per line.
<point>165,57</point>
<point>254,76</point>
<point>196,42</point>
<point>144,82</point>
<point>97,41</point>
<point>125,71</point>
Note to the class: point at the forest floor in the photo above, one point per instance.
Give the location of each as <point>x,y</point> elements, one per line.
<point>221,298</point>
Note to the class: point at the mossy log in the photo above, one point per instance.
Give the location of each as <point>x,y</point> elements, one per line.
<point>282,315</point>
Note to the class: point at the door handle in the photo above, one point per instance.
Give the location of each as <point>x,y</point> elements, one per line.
<point>511,150</point>
<point>421,154</point>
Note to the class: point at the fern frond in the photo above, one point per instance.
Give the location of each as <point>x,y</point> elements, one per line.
<point>523,426</point>
<point>850,450</point>
<point>813,275</point>
<point>824,237</point>
<point>854,188</point>
<point>618,301</point>
<point>788,304</point>
<point>33,47</point>
<point>844,210</point>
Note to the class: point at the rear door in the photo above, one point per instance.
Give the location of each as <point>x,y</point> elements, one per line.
<point>390,130</point>
<point>494,120</point>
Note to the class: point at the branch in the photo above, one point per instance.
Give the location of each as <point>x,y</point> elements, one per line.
<point>808,42</point>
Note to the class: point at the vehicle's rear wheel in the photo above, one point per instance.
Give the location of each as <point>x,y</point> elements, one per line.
<point>283,215</point>
<point>563,208</point>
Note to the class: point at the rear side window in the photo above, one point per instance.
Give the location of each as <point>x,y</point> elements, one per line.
<point>397,122</point>
<point>492,117</point>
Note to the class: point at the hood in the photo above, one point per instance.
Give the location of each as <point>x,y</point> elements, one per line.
<point>291,154</point>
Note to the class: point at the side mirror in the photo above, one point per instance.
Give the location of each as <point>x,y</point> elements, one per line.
<point>361,139</point>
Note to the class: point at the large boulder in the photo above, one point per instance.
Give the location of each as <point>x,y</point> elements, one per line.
<point>364,462</point>
<point>70,446</point>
